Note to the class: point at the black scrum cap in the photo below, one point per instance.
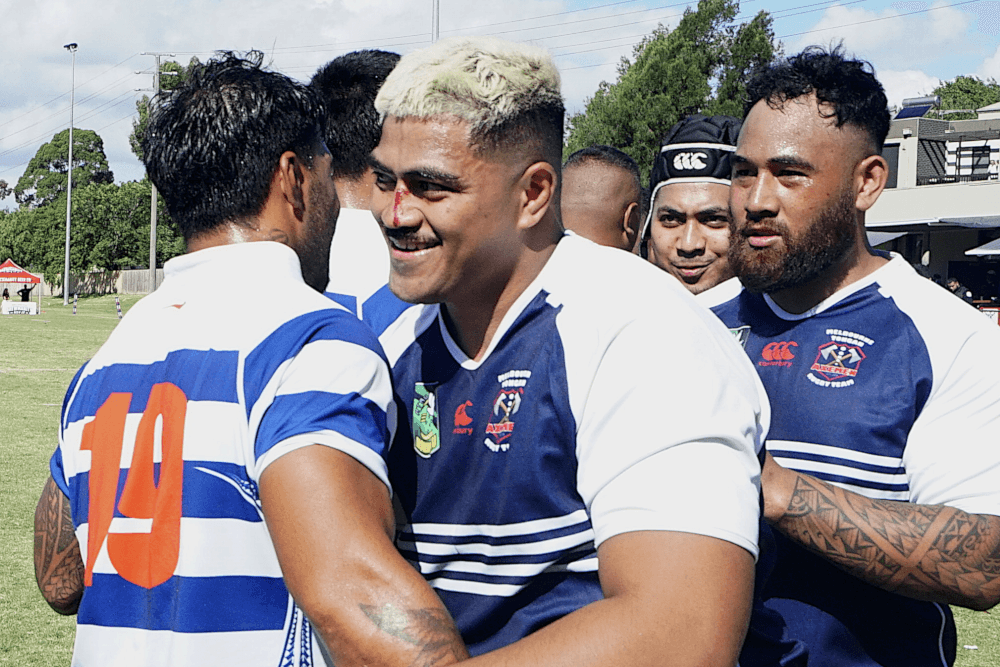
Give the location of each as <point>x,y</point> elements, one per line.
<point>696,150</point>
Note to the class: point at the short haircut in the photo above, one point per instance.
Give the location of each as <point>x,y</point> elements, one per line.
<point>213,144</point>
<point>848,86</point>
<point>507,92</point>
<point>348,85</point>
<point>612,157</point>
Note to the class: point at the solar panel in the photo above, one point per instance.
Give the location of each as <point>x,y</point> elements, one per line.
<point>913,112</point>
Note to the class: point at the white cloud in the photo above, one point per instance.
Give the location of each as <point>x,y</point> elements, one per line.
<point>907,83</point>
<point>895,37</point>
<point>990,68</point>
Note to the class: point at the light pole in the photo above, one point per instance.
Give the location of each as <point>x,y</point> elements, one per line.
<point>69,171</point>
<point>435,19</point>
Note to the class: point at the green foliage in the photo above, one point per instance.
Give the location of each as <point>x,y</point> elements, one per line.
<point>109,231</point>
<point>172,74</point>
<point>699,67</point>
<point>44,179</point>
<point>967,92</point>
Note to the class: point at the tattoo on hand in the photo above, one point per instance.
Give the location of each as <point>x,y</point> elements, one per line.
<point>930,552</point>
<point>58,563</point>
<point>430,630</point>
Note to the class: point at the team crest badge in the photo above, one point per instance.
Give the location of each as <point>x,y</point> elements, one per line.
<point>838,361</point>
<point>426,432</point>
<point>505,406</point>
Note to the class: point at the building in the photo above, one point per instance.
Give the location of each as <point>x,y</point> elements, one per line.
<point>941,207</point>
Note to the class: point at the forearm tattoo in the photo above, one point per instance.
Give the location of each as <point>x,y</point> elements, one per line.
<point>58,563</point>
<point>430,630</point>
<point>928,552</point>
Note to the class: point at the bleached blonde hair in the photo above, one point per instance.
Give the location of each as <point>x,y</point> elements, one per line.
<point>507,92</point>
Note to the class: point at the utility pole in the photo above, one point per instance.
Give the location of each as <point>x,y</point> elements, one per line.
<point>435,20</point>
<point>152,205</point>
<point>69,172</point>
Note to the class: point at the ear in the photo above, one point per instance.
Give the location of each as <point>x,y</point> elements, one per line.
<point>537,187</point>
<point>290,179</point>
<point>630,224</point>
<point>871,175</point>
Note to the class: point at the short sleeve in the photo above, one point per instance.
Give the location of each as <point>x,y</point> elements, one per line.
<point>952,455</point>
<point>333,389</point>
<point>671,430</point>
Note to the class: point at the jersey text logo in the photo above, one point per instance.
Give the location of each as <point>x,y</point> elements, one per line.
<point>778,353</point>
<point>462,420</point>
<point>838,361</point>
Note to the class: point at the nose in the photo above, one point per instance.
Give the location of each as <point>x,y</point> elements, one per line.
<point>401,212</point>
<point>691,242</point>
<point>761,201</point>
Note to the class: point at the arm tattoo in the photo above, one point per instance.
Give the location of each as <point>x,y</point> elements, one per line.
<point>431,630</point>
<point>58,563</point>
<point>928,552</point>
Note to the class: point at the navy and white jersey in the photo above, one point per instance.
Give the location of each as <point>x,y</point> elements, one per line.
<point>889,388</point>
<point>163,439</point>
<point>594,411</point>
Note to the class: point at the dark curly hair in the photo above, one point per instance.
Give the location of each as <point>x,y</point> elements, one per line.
<point>849,87</point>
<point>348,86</point>
<point>213,144</point>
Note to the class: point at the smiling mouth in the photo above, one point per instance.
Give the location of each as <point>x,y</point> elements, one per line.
<point>691,273</point>
<point>409,242</point>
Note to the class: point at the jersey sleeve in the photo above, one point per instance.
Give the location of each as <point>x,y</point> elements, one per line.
<point>671,432</point>
<point>323,383</point>
<point>952,454</point>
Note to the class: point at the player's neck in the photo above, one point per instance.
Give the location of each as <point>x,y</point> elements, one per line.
<point>859,262</point>
<point>474,320</point>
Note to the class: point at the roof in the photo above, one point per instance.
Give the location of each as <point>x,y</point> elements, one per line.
<point>12,273</point>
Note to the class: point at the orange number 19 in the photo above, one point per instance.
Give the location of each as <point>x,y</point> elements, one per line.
<point>146,559</point>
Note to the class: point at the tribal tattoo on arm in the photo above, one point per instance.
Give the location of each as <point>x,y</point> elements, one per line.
<point>430,630</point>
<point>928,552</point>
<point>59,564</point>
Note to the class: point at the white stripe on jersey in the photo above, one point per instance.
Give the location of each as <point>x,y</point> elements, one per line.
<point>501,530</point>
<point>494,551</point>
<point>318,354</point>
<point>806,466</point>
<point>242,548</point>
<point>834,452</point>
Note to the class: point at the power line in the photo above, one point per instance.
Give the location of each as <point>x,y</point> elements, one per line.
<point>883,18</point>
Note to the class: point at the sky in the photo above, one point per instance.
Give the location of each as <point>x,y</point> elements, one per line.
<point>912,45</point>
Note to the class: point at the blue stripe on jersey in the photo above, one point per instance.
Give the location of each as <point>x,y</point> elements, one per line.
<point>187,604</point>
<point>348,301</point>
<point>69,392</point>
<point>835,460</point>
<point>351,415</point>
<point>382,309</point>
<point>215,380</point>
<point>206,494</point>
<point>57,472</point>
<point>289,339</point>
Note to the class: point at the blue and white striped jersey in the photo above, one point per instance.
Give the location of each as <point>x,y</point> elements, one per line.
<point>891,389</point>
<point>595,411</point>
<point>163,438</point>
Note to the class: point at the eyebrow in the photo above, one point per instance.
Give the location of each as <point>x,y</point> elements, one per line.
<point>426,174</point>
<point>783,161</point>
<point>711,210</point>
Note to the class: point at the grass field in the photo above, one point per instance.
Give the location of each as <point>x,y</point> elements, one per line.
<point>39,356</point>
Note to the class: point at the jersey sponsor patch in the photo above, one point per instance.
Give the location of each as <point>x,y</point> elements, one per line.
<point>778,353</point>
<point>426,430</point>
<point>463,422</point>
<point>505,406</point>
<point>742,335</point>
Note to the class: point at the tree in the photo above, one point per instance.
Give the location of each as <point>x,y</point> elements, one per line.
<point>44,180</point>
<point>5,189</point>
<point>172,74</point>
<point>967,92</point>
<point>701,66</point>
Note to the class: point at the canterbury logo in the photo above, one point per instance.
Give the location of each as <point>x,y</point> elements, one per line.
<point>690,161</point>
<point>779,351</point>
